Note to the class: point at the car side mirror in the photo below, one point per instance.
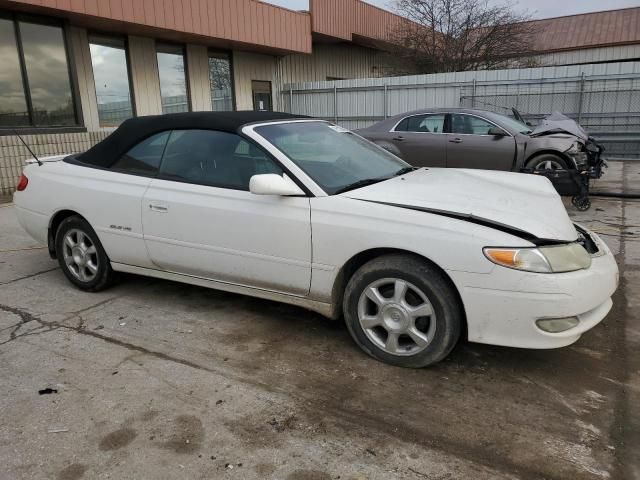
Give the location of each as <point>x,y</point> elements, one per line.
<point>497,132</point>
<point>272,184</point>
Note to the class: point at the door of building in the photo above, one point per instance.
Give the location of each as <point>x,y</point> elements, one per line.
<point>262,100</point>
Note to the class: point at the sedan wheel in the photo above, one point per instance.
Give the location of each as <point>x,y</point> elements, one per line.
<point>81,256</point>
<point>547,162</point>
<point>548,165</point>
<point>403,310</point>
<point>397,316</point>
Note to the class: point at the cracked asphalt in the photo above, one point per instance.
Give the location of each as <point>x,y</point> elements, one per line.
<point>154,379</point>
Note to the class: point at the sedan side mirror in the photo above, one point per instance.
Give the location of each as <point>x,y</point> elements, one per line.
<point>272,184</point>
<point>497,132</point>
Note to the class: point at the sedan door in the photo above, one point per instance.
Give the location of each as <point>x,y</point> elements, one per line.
<point>114,197</point>
<point>469,144</point>
<point>200,219</point>
<point>420,140</point>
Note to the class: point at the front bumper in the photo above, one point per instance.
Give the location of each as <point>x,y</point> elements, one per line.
<point>502,306</point>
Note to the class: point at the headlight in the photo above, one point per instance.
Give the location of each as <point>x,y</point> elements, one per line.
<point>575,148</point>
<point>552,259</point>
<point>578,154</point>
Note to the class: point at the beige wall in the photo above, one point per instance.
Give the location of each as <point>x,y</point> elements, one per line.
<point>198,69</point>
<point>328,60</point>
<point>337,60</point>
<point>144,75</point>
<point>589,55</point>
<point>86,84</point>
<point>248,67</point>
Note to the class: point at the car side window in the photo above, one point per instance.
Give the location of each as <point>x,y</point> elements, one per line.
<point>144,158</point>
<point>433,123</point>
<point>213,158</point>
<point>470,125</point>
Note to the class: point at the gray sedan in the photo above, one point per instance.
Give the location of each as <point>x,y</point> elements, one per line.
<point>465,138</point>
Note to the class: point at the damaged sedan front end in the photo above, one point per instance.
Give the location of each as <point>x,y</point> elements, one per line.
<point>582,151</point>
<point>585,152</point>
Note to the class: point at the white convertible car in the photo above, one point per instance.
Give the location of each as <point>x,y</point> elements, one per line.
<point>302,211</point>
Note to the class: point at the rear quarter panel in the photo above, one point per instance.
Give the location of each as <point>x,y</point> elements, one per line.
<point>109,201</point>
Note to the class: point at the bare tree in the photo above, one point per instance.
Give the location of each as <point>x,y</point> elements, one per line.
<point>458,35</point>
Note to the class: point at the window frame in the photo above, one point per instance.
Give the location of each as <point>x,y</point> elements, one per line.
<point>125,38</point>
<point>136,174</point>
<point>451,132</point>
<point>229,54</point>
<point>250,141</point>
<point>425,114</point>
<point>16,18</point>
<point>183,49</point>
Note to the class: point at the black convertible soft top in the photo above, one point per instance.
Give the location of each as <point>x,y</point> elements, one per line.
<point>134,130</point>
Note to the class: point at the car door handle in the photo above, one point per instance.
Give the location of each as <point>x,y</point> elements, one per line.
<point>399,138</point>
<point>456,140</point>
<point>158,207</point>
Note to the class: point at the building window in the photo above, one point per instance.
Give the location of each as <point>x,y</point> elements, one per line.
<point>35,77</point>
<point>111,77</point>
<point>13,107</point>
<point>173,79</point>
<point>220,81</point>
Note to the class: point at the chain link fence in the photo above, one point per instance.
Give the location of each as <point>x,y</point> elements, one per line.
<point>603,98</point>
<point>608,108</point>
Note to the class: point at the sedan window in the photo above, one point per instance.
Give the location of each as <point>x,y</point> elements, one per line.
<point>217,159</point>
<point>144,158</point>
<point>470,125</point>
<point>332,156</point>
<point>422,124</point>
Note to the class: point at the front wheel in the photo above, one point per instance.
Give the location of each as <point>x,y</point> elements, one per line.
<point>403,311</point>
<point>81,256</point>
<point>547,161</point>
<point>581,203</point>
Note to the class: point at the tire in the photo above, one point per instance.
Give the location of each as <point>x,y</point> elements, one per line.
<point>429,305</point>
<point>547,161</point>
<point>582,204</point>
<point>81,256</point>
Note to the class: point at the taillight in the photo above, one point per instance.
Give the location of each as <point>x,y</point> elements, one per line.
<point>22,184</point>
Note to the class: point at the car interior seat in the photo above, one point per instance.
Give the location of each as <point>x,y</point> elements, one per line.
<point>461,124</point>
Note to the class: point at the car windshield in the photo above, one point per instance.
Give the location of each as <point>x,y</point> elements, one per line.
<point>335,158</point>
<point>512,123</point>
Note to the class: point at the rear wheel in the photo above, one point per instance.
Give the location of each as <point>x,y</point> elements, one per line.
<point>547,161</point>
<point>81,256</point>
<point>403,311</point>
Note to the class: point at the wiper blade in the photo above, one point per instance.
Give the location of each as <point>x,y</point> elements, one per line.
<point>404,170</point>
<point>360,184</point>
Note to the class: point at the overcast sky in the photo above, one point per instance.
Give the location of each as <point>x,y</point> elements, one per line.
<point>539,8</point>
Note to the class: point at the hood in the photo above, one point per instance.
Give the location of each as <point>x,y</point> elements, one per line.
<point>557,122</point>
<point>522,203</point>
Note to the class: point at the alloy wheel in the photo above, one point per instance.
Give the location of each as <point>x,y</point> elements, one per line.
<point>80,255</point>
<point>397,316</point>
<point>549,165</point>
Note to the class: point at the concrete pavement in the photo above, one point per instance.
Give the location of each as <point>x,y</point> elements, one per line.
<point>160,380</point>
